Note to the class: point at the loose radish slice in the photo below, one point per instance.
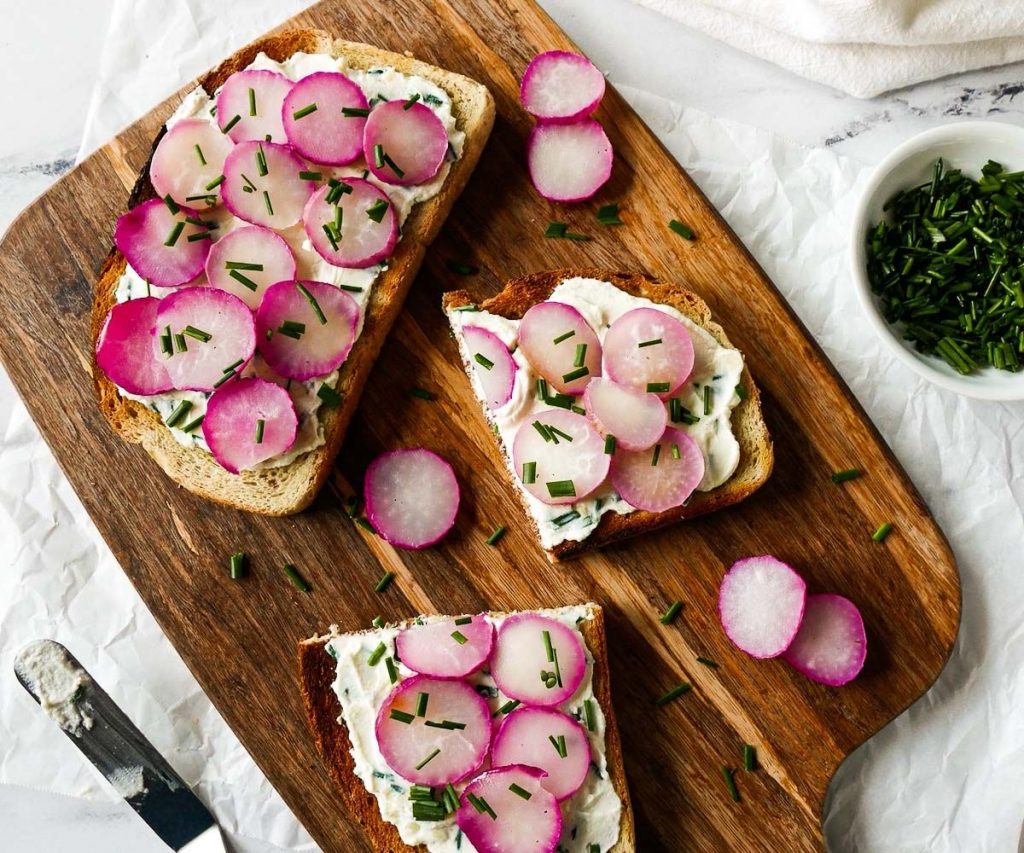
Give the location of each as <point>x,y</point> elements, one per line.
<point>559,457</point>
<point>212,335</point>
<point>761,604</point>
<point>262,184</point>
<point>635,418</point>
<point>661,477</point>
<point>188,161</point>
<point>124,348</point>
<point>249,105</point>
<point>549,740</point>
<point>434,754</point>
<point>551,335</point>
<point>249,421</point>
<point>446,649</point>
<point>538,660</point>
<point>569,162</point>
<point>507,811</point>
<point>247,260</point>
<point>314,120</point>
<point>305,329</point>
<point>412,497</point>
<point>561,87</point>
<point>831,644</point>
<point>493,365</point>
<point>360,230</point>
<point>156,243</point>
<point>648,350</point>
<point>404,143</point>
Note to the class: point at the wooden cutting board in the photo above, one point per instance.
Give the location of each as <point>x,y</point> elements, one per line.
<point>238,637</point>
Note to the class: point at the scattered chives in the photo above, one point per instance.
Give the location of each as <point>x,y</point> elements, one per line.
<point>172,205</point>
<point>459,638</point>
<point>243,265</point>
<point>608,214</point>
<point>312,302</point>
<point>581,355</point>
<point>305,111</point>
<point>741,392</point>
<point>198,334</point>
<point>195,238</point>
<point>682,230</point>
<point>243,279</point>
<point>377,622</point>
<point>179,413</point>
<point>252,101</point>
<point>376,654</point>
<point>172,238</point>
<point>656,455</point>
<point>412,100</point>
<point>749,758</point>
<point>519,792</point>
<point>193,425</point>
<point>650,343</point>
<point>564,519</point>
<point>377,210</point>
<point>354,112</point>
<point>564,337</point>
<point>529,473</point>
<point>561,488</point>
<point>578,373</point>
<point>306,175</point>
<point>260,427</point>
<point>421,704</point>
<point>231,124</point>
<point>707,662</point>
<point>495,537</point>
<point>328,396</point>
<point>483,361</point>
<point>464,620</point>
<point>237,565</point>
<point>421,393</point>
<point>392,669</point>
<point>730,783</point>
<point>588,714</point>
<point>848,474</point>
<point>266,200</point>
<point>199,154</point>
<point>883,531</point>
<point>559,745</point>
<point>658,387</point>
<point>509,706</point>
<point>609,445</point>
<point>384,582</point>
<point>296,579</point>
<point>674,693</point>
<point>707,399</point>
<point>401,716</point>
<point>261,162</point>
<point>669,616</point>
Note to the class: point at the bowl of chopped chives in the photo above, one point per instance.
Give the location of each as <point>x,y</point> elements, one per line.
<point>937,256</point>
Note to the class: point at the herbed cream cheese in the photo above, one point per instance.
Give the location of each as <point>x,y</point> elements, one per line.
<point>58,684</point>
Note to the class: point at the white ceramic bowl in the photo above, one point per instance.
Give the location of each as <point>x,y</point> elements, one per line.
<point>966,145</point>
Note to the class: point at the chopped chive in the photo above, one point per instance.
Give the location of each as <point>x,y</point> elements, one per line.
<point>674,693</point>
<point>296,579</point>
<point>363,523</point>
<point>261,162</point>
<point>179,343</point>
<point>680,229</point>
<point>470,307</point>
<point>249,185</point>
<point>421,792</point>
<point>707,662</point>
<point>481,805</point>
<point>401,716</point>
<point>459,638</point>
<point>421,393</point>
<point>544,430</point>
<point>354,112</point>
<point>519,792</point>
<point>741,392</point>
<point>555,431</point>
<point>199,154</point>
<point>377,622</point>
<point>461,268</point>
<point>306,175</point>
<point>656,455</point>
<point>464,620</point>
<point>376,654</point>
<point>244,280</point>
<point>559,230</point>
<point>231,124</point>
<point>172,205</point>
<point>565,518</point>
<point>421,705</point>
<point>209,199</point>
<point>172,238</point>
<point>658,387</point>
<point>483,361</point>
<point>509,706</point>
<point>450,799</point>
<point>608,214</point>
<point>291,329</point>
<point>588,714</point>
<point>242,265</point>
<point>237,565</point>
<point>330,236</point>
<point>328,396</point>
<point>707,399</point>
<point>305,111</point>
<point>559,744</point>
<point>198,334</point>
<point>377,210</point>
<point>392,669</point>
<point>423,810</point>
<point>848,474</point>
<point>252,101</point>
<point>529,473</point>
<point>260,427</point>
<point>883,531</point>
<point>609,445</point>
<point>312,302</point>
<point>749,758</point>
<point>578,373</point>
<point>581,355</point>
<point>669,616</point>
<point>495,537</point>
<point>195,220</point>
<point>194,424</point>
<point>548,648</point>
<point>394,166</point>
<point>266,200</point>
<point>176,416</point>
<point>564,337</point>
<point>378,156</point>
<point>205,235</point>
<point>444,724</point>
<point>650,343</point>
<point>351,288</point>
<point>412,100</point>
<point>384,582</point>
<point>167,341</point>
<point>730,783</point>
<point>561,488</point>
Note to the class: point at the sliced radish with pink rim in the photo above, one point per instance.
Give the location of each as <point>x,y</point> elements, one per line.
<point>559,457</point>
<point>124,348</point>
<point>831,645</point>
<point>549,740</point>
<point>450,648</point>
<point>315,121</point>
<point>660,477</point>
<point>412,497</point>
<point>507,811</point>
<point>538,660</point>
<point>249,105</point>
<point>358,231</point>
<point>492,364</point>
<point>157,245</point>
<point>569,162</point>
<point>249,421</point>
<point>446,742</point>
<point>404,143</point>
<point>635,418</point>
<point>648,350</point>
<point>559,86</point>
<point>761,604</point>
<point>247,260</point>
<point>262,184</point>
<point>189,160</point>
<point>551,335</point>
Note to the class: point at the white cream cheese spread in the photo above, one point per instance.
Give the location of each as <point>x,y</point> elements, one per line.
<point>58,684</point>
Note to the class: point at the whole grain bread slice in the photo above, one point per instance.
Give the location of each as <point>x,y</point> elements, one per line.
<point>756,453</point>
<point>289,489</point>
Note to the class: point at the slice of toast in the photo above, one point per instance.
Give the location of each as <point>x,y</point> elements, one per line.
<point>316,675</point>
<point>289,489</point>
<point>756,454</point>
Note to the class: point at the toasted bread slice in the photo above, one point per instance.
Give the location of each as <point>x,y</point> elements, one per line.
<point>756,454</point>
<point>316,675</point>
<point>289,489</point>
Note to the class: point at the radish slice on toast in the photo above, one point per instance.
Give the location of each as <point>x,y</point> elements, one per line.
<point>248,422</point>
<point>161,246</point>
<point>249,105</point>
<point>412,497</point>
<point>357,228</point>
<point>404,143</point>
<point>124,348</point>
<point>507,811</point>
<point>648,350</point>
<point>247,260</point>
<point>660,477</point>
<point>317,122</point>
<point>569,162</point>
<point>831,645</point>
<point>549,740</point>
<point>188,161</point>
<point>559,86</point>
<point>554,337</point>
<point>262,184</point>
<point>761,604</point>
<point>538,660</point>
<point>635,418</point>
<point>492,363</point>
<point>559,457</point>
<point>450,648</point>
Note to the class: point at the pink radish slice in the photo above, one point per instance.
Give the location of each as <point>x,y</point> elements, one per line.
<point>521,654</point>
<point>831,644</point>
<point>188,160</point>
<point>635,418</point>
<point>256,98</point>
<point>249,421</point>
<point>656,479</point>
<point>492,363</point>
<point>275,199</point>
<point>412,497</point>
<point>507,811</point>
<point>433,754</point>
<point>561,87</point>
<point>216,329</point>
<point>410,137</point>
<point>249,246</point>
<point>369,225</point>
<point>124,348</point>
<point>648,350</point>
<point>446,649</point>
<point>761,604</point>
<point>525,738</point>
<point>305,329</point>
<point>564,469</point>
<point>569,162</point>
<point>550,335</point>
<point>143,233</point>
<point>325,134</point>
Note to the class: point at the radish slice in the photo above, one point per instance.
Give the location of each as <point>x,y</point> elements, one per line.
<point>248,422</point>
<point>315,124</point>
<point>247,260</point>
<point>368,228</point>
<point>212,335</point>
<point>412,497</point>
<point>636,419</point>
<point>249,105</point>
<point>559,457</point>
<point>188,161</point>
<point>831,644</point>
<point>549,740</point>
<point>446,649</point>
<point>538,660</point>
<point>305,329</point>
<point>648,350</point>
<point>404,143</point>
<point>274,199</point>
<point>156,243</point>
<point>551,335</point>
<point>493,365</point>
<point>433,754</point>
<point>507,811</point>
<point>761,604</point>
<point>569,162</point>
<point>661,477</point>
<point>561,87</point>
<point>124,348</point>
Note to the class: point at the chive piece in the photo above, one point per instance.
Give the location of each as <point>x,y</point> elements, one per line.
<point>741,392</point>
<point>167,341</point>
<point>674,693</point>
<point>463,620</point>
<point>749,758</point>
<point>421,792</point>
<point>377,210</point>
<point>421,393</point>
<point>495,537</point>
<point>243,265</point>
<point>354,112</point>
<point>680,229</point>
<point>305,111</point>
<point>330,236</point>
<point>266,200</point>
<point>328,396</point>
<point>306,175</point>
<point>461,268</point>
<point>707,399</point>
<point>297,580</point>
<point>377,622</point>
<point>392,670</point>
<point>650,343</point>
<point>252,101</point>
<point>260,427</point>
<point>231,124</point>
<point>730,783</point>
<point>588,714</point>
<point>179,343</point>
<point>244,280</point>
<point>578,373</point>
<point>261,161</point>
<point>237,565</point>
<point>216,182</point>
<point>227,377</point>
<point>656,455</point>
<point>459,638</point>
<point>194,424</point>
<point>199,154</point>
<point>509,706</point>
<point>178,415</point>
<point>450,799</point>
<point>249,185</point>
<point>363,523</point>
<point>291,329</point>
<point>378,156</point>
<point>564,337</point>
<point>209,199</point>
<point>559,230</point>
<point>351,288</point>
<point>529,473</point>
<point>519,792</point>
<point>548,648</point>
<point>195,220</point>
<point>707,662</point>
<point>427,811</point>
<point>581,355</point>
<point>483,361</point>
<point>376,654</point>
<point>470,307</point>
<point>394,166</point>
<point>608,214</point>
<point>205,235</point>
<point>172,205</point>
<point>559,744</point>
<point>669,616</point>
<point>565,518</point>
<point>561,488</point>
<point>421,705</point>
<point>401,716</point>
<point>384,582</point>
<point>609,445</point>
<point>412,100</point>
<point>198,334</point>
<point>883,531</point>
<point>172,238</point>
<point>849,474</point>
<point>658,387</point>
<point>312,302</point>
<point>481,805</point>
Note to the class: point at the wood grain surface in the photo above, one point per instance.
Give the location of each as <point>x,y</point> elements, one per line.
<point>238,637</point>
